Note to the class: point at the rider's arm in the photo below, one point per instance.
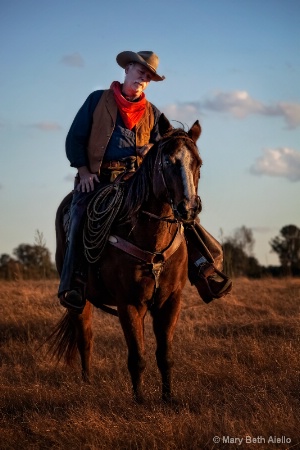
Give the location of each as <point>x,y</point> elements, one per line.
<point>78,135</point>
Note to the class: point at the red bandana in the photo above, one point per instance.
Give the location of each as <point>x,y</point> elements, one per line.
<point>131,112</point>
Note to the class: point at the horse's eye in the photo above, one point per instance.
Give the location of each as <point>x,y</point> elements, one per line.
<point>167,161</point>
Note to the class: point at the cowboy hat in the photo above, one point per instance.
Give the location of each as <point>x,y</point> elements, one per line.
<point>146,58</point>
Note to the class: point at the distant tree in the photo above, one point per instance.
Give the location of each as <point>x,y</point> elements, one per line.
<point>9,267</point>
<point>238,257</point>
<point>237,263</point>
<point>35,259</point>
<point>43,254</point>
<point>287,247</point>
<point>254,269</point>
<point>243,239</point>
<point>32,261</point>
<point>4,259</point>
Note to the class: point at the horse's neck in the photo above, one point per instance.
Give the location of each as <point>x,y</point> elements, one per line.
<point>149,230</point>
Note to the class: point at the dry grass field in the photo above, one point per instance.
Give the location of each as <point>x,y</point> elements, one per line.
<point>236,376</point>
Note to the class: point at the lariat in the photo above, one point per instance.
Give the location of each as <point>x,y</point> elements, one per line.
<point>101,212</point>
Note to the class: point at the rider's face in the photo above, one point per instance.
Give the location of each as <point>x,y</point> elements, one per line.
<point>137,78</point>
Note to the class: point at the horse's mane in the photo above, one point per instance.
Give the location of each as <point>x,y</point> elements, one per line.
<point>139,184</point>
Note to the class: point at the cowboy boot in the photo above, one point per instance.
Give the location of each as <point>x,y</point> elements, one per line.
<point>205,264</point>
<point>74,299</point>
<point>210,282</point>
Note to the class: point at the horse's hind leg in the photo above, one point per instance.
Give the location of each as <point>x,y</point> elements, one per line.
<point>85,340</point>
<point>164,322</point>
<point>132,321</point>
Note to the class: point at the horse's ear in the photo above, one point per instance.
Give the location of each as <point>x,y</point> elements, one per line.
<point>164,125</point>
<point>195,131</point>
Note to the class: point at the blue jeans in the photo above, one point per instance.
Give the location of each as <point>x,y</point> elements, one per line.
<point>74,260</point>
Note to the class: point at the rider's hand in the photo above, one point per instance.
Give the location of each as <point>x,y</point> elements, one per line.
<point>142,151</point>
<point>87,179</point>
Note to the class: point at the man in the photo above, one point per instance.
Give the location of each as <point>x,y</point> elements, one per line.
<point>113,128</point>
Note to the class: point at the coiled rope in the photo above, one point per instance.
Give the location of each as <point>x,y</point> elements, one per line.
<point>101,212</point>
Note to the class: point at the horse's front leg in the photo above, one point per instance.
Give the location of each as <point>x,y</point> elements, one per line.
<point>132,321</point>
<point>164,323</point>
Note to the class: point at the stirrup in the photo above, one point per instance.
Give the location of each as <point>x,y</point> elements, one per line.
<point>72,300</point>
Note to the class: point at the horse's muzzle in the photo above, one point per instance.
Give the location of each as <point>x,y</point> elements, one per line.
<point>188,210</point>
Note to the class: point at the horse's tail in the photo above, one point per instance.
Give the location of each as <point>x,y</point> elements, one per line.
<point>63,339</point>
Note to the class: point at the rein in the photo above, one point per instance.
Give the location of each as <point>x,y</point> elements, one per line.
<point>161,171</point>
<point>161,219</point>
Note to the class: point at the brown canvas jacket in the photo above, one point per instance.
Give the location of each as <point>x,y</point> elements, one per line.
<point>104,119</point>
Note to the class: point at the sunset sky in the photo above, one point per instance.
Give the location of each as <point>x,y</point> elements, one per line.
<point>232,64</point>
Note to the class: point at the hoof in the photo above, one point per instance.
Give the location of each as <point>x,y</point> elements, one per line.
<point>86,379</point>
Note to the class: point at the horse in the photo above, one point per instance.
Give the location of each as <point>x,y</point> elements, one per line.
<point>144,265</point>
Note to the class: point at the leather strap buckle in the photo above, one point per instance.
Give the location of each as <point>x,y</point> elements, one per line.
<point>114,174</point>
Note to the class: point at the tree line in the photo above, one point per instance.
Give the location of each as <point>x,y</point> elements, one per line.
<point>240,261</point>
<point>28,262</point>
<point>34,261</point>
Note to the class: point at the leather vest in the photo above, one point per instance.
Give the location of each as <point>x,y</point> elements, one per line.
<point>104,120</point>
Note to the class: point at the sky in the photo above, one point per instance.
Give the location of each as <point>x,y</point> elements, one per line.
<point>234,65</point>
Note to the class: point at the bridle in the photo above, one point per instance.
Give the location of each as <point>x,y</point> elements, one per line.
<point>159,168</point>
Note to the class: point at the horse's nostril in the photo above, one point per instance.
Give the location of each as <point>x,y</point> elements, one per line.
<point>188,210</point>
<point>181,208</point>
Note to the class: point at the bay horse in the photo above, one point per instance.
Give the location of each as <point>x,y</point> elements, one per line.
<point>144,265</point>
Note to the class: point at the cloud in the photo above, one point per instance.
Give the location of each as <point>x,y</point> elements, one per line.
<point>291,113</point>
<point>281,162</point>
<point>1,186</point>
<point>238,104</point>
<point>73,60</point>
<point>186,113</point>
<point>47,126</point>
